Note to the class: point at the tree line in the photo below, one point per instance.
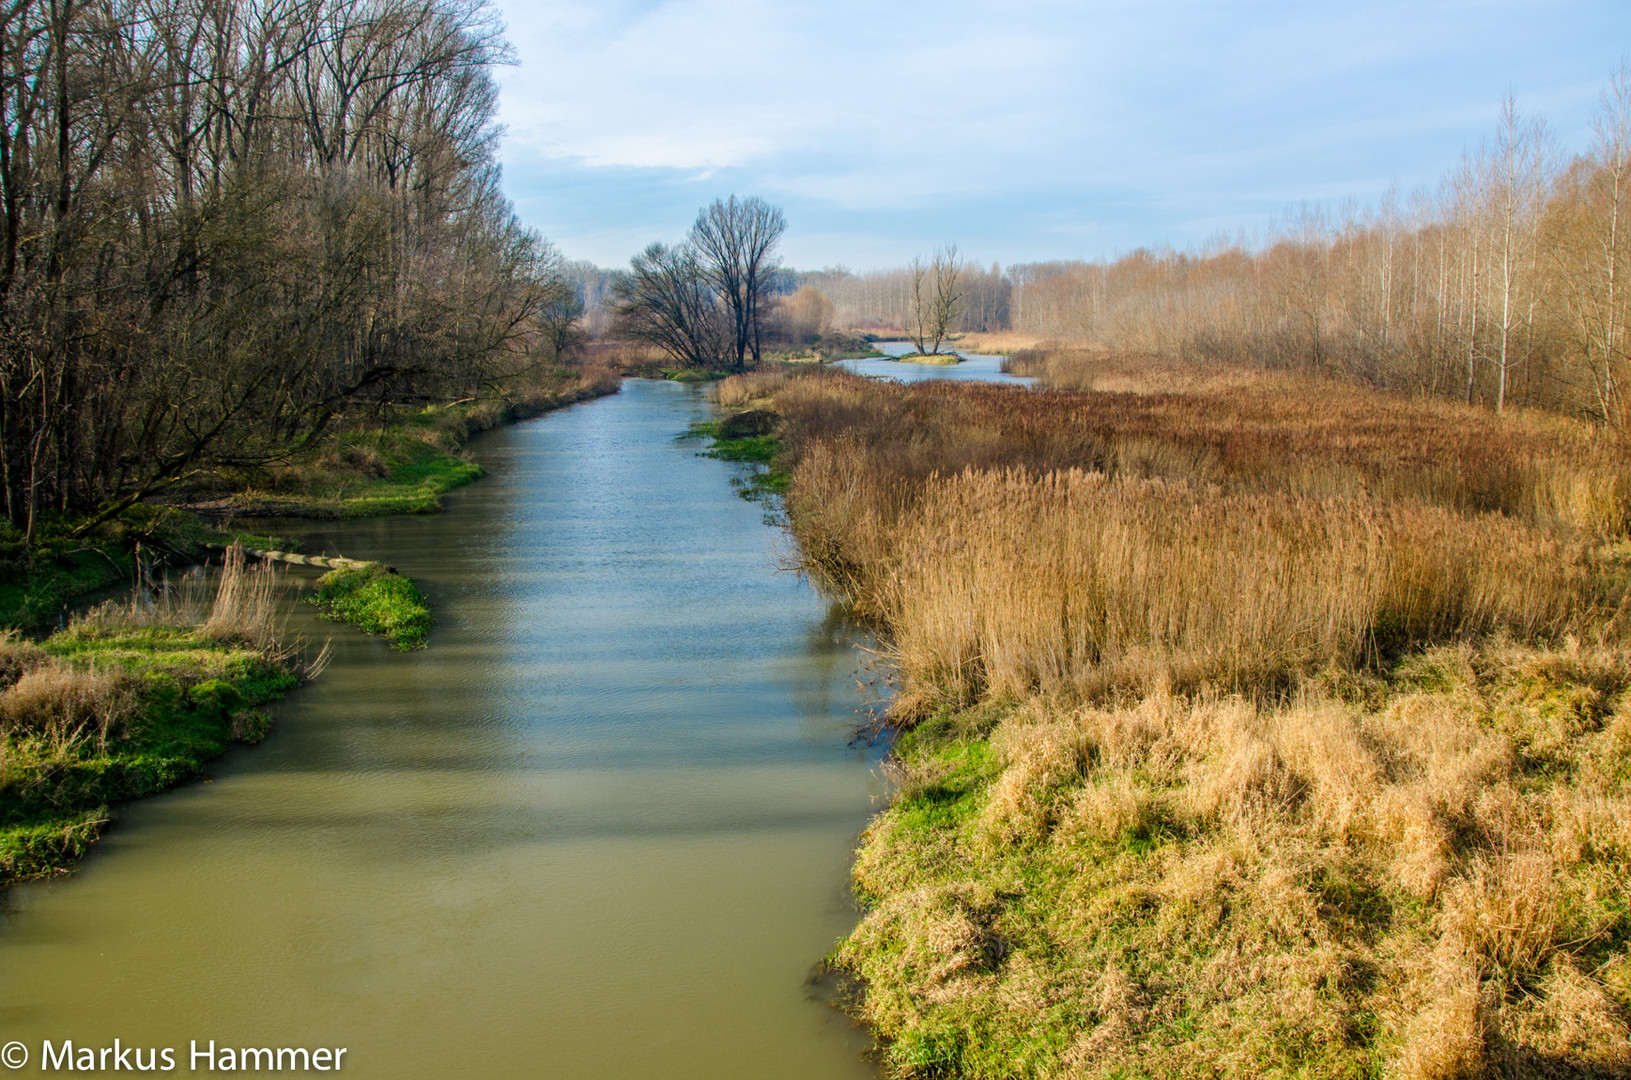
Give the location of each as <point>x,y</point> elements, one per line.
<point>1505,284</point>
<point>225,223</point>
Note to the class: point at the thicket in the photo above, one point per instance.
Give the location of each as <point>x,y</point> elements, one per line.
<point>1505,284</point>
<point>1255,724</point>
<point>225,224</point>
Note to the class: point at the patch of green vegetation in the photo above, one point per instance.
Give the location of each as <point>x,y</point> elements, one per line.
<point>91,717</point>
<point>760,450</point>
<point>376,601</point>
<point>398,473</point>
<point>402,465</point>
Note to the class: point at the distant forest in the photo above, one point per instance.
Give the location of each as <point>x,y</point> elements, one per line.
<point>1505,284</point>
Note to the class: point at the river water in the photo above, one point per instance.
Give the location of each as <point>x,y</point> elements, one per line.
<point>601,828</point>
<point>975,366</point>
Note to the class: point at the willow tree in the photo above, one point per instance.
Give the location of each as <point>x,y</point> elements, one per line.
<point>936,299</point>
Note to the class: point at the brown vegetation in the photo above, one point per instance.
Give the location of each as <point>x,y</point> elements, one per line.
<point>1502,286</point>
<point>1263,724</point>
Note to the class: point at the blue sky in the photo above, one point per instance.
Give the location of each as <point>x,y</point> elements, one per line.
<point>1027,130</point>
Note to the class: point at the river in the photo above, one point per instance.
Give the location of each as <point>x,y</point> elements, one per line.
<point>601,828</point>
<point>975,366</point>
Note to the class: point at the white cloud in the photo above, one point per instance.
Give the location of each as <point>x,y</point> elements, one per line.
<point>898,108</point>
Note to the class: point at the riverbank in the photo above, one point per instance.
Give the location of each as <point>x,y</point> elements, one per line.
<point>1250,729</point>
<point>404,467</point>
<point>126,701</point>
<point>129,701</point>
<point>359,471</point>
<point>623,763</point>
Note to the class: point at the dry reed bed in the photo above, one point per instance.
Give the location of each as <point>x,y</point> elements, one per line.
<point>1228,764</point>
<point>1007,584</point>
<point>1245,431</point>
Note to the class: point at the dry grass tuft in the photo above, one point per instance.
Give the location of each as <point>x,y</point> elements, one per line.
<point>752,388</point>
<point>246,604</point>
<point>63,703</point>
<point>1258,731</point>
<point>17,657</point>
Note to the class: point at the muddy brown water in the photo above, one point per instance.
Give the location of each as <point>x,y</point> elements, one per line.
<point>600,828</point>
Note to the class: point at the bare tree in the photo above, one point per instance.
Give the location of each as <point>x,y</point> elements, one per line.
<point>937,299</point>
<point>735,241</point>
<point>668,300</point>
<point>224,223</point>
<point>1599,296</point>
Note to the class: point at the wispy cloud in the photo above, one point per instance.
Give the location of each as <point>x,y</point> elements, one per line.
<point>1035,129</point>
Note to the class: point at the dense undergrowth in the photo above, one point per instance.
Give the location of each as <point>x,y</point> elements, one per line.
<point>128,701</point>
<point>1252,728</point>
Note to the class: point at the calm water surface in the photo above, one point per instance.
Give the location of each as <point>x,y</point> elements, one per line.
<point>975,366</point>
<point>601,828</point>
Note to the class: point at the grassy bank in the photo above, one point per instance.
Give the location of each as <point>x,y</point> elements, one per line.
<point>361,470</point>
<point>1252,729</point>
<point>39,582</point>
<point>404,466</point>
<point>126,702</point>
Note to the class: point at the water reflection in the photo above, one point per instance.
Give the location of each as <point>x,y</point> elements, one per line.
<point>600,828</point>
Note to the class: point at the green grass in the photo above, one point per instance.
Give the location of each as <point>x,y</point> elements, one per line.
<point>189,698</point>
<point>766,480</point>
<point>377,602</point>
<point>404,466</point>
<point>416,474</point>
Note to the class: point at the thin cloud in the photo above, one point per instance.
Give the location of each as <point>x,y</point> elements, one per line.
<point>1032,127</point>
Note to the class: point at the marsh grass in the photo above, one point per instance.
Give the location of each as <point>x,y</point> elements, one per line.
<point>1426,880</point>
<point>1249,731</point>
<point>131,699</point>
